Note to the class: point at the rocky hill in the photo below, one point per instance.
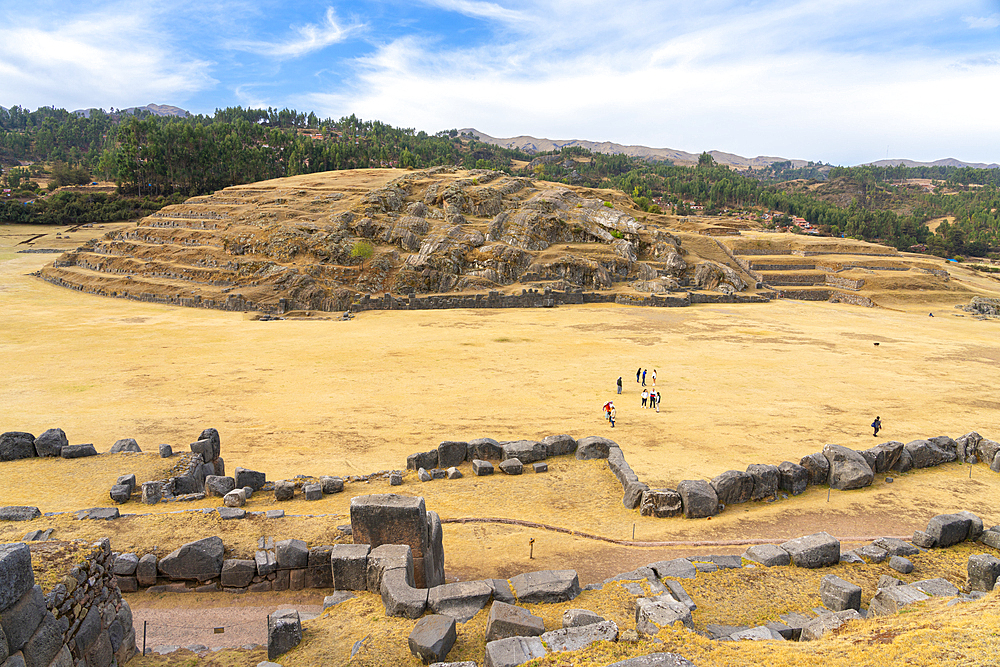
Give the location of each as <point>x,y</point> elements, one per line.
<point>320,241</point>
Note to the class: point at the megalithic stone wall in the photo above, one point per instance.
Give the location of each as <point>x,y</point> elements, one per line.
<point>389,518</point>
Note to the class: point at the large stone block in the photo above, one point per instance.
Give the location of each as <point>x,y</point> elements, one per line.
<point>284,632</point>
<point>948,529</point>
<point>986,450</point>
<point>838,595</point>
<point>891,599</point>
<point>432,638</point>
<point>51,442</point>
<point>120,493</point>
<point>660,503</point>
<point>768,555</point>
<point>818,467</point>
<point>284,490</point>
<point>19,513</point>
<point>733,487</point>
<point>904,464</point>
<point>975,525</point>
<point>577,618</point>
<point>349,566</point>
<point>620,468</point>
<point>927,453</point>
<point>451,453</point>
<point>205,449</point>
<point>145,571</point>
<point>331,484</point>
<point>576,639</point>
<point>15,572</point>
<point>22,618</point>
<point>632,497</point>
<point>125,445</point>
<point>655,660</point>
<point>481,468</point>
<point>937,587</point>
<point>881,458</point>
<point>152,492</point>
<point>199,561</point>
<point>546,586</point>
<point>425,460</point>
<point>486,449</point>
<point>434,555</point>
<point>662,611</point>
<point>818,627</point>
<point>238,573</point>
<point>894,546</point>
<point>16,445</point>
<point>77,451</point>
<point>984,569</point>
<point>848,469</point>
<point>255,480</point>
<point>511,466</point>
<point>507,620</point>
<point>125,565</point>
<point>816,550</point>
<point>393,519</point>
<point>513,651</point>
<point>557,445</point>
<point>699,498</point>
<point>526,451</point>
<point>678,568</point>
<point>765,480</point>
<point>399,597</point>
<point>461,600</point>
<point>216,485</point>
<point>594,447</point>
<point>792,478</point>
<point>291,554</point>
<point>320,572</point>
<point>387,557</point>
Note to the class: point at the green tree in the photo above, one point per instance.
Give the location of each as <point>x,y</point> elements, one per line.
<point>362,250</point>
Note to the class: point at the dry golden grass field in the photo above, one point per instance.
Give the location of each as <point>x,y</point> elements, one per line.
<point>741,383</point>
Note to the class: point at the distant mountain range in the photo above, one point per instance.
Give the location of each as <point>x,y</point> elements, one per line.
<point>155,109</point>
<point>678,157</point>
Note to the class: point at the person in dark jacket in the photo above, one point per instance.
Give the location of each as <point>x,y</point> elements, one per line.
<point>876,425</point>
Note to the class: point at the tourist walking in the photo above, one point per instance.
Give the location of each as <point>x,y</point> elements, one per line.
<point>638,371</point>
<point>876,425</point>
<point>612,415</point>
<point>659,395</point>
<point>654,377</point>
<point>645,397</point>
<point>644,378</point>
<point>619,384</point>
<point>607,410</point>
<point>652,398</point>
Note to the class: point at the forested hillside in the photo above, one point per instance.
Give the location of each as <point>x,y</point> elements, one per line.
<point>156,160</point>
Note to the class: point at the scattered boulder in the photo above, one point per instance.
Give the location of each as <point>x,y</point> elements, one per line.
<point>331,484</point>
<point>507,620</point>
<point>312,491</point>
<point>575,618</point>
<point>235,498</point>
<point>901,564</point>
<point>975,525</point>
<point>905,462</point>
<point>984,571</point>
<point>699,498</point>
<point>423,475</point>
<point>557,445</point>
<point>485,449</point>
<point>896,547</point>
<point>546,586</point>
<point>948,529</point>
<point>733,486</point>
<point>594,447</point>
<point>923,540</point>
<point>538,466</point>
<point>16,445</point>
<point>986,450</point>
<point>395,479</point>
<point>526,451</point>
<point>512,466</point>
<point>166,451</point>
<point>51,442</point>
<point>792,478</point>
<point>199,561</point>
<point>660,503</point>
<point>768,555</point>
<point>284,632</point>
<point>578,638</point>
<point>513,651</point>
<point>455,473</point>
<point>678,568</point>
<point>216,485</point>
<point>932,452</point>
<point>838,595</point>
<point>255,480</point>
<point>816,550</point>
<point>19,513</point>
<point>284,490</point>
<point>451,453</point>
<point>125,445</point>
<point>937,587</point>
<point>848,469</point>
<point>461,600</point>
<point>121,493</point>
<point>661,611</point>
<point>432,638</point>
<point>152,492</point>
<point>891,599</point>
<point>77,451</point>
<point>765,480</point>
<point>886,581</point>
<point>818,627</point>
<point>818,467</point>
<point>481,468</point>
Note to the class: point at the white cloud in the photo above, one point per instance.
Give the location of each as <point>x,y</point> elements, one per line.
<point>114,59</point>
<point>307,39</point>
<point>476,9</point>
<point>983,22</point>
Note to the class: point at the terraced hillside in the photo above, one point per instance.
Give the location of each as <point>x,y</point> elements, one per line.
<point>323,241</point>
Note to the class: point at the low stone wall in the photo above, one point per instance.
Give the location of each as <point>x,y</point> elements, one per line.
<point>528,298</point>
<point>815,253</point>
<point>82,621</point>
<point>844,283</point>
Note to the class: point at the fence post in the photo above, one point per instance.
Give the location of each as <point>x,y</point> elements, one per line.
<point>144,637</point>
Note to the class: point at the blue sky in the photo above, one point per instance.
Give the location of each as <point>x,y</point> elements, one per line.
<point>840,81</point>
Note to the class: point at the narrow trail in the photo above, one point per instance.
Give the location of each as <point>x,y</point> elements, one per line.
<point>637,543</point>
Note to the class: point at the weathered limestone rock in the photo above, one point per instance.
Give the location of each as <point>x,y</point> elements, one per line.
<point>255,480</point>
<point>19,513</point>
<point>660,503</point>
<point>765,480</point>
<point>284,490</point>
<point>759,633</point>
<point>513,651</point>
<point>937,587</point>
<point>291,554</point>
<point>394,519</point>
<point>481,468</point>
<point>265,562</point>
<point>818,467</point>
<point>152,492</point>
<point>51,442</point>
<point>594,447</point>
<point>312,491</point>
<point>284,632</point>
<point>792,478</point>
<point>538,466</point>
<point>238,573</point>
<point>145,570</point>
<point>901,564</point>
<point>838,595</point>
<point>655,660</point>
<point>451,453</point>
<point>512,466</point>
<point>557,445</point>
<point>455,473</point>
<point>678,568</point>
<point>16,445</point>
<point>484,449</point>
<point>125,565</point>
<point>986,450</point>
<point>895,546</point>
<point>166,451</point>
<point>948,529</point>
<point>331,484</point>
<point>816,550</point>
<point>125,445</point>
<point>423,475</point>
<point>818,627</point>
<point>399,597</point>
<point>733,487</point>
<point>678,593</point>
<point>235,498</point>
<point>984,569</point>
<point>388,557</point>
<point>425,460</point>
<point>77,451</point>
<point>45,643</point>
<point>923,540</point>
<point>349,565</point>
<point>975,525</point>
<point>461,600</point>
<point>395,479</point>
<point>506,620</point>
<point>320,572</point>
<point>927,453</point>
<point>991,538</point>
<point>890,600</point>
<point>699,498</point>
<point>886,581</point>
<point>768,555</point>
<point>661,611</point>
<point>15,572</point>
<point>848,469</point>
<point>216,485</point>
<point>575,618</point>
<point>881,458</point>
<point>871,553</point>
<point>546,586</point>
<point>432,638</point>
<point>526,451</point>
<point>199,561</point>
<point>633,494</point>
<point>575,639</point>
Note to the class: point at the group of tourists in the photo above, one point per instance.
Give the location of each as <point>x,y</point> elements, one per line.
<point>650,397</point>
